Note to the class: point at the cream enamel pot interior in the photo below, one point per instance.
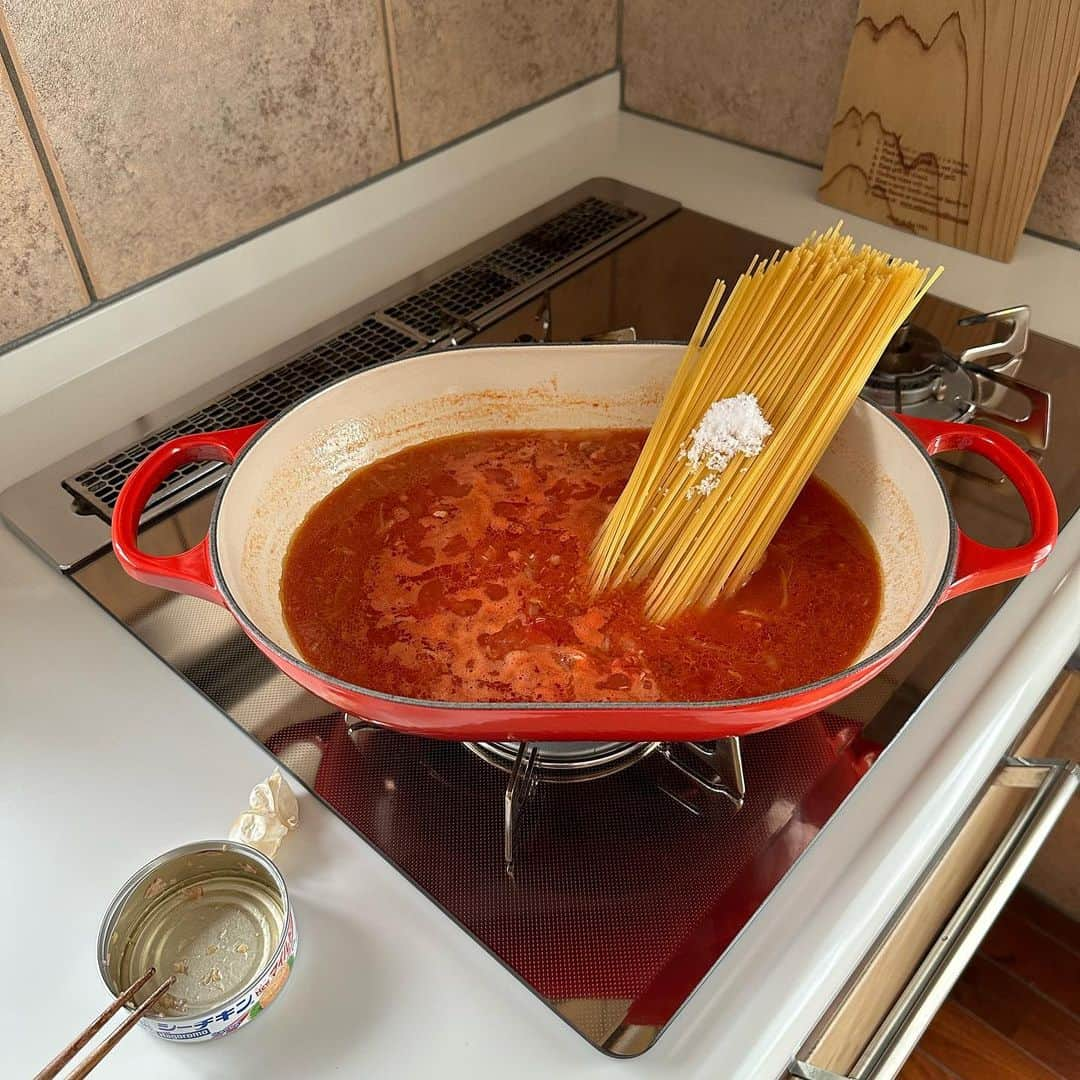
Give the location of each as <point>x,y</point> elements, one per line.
<point>878,465</point>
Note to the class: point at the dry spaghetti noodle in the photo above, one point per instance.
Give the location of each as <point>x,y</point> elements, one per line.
<point>798,337</point>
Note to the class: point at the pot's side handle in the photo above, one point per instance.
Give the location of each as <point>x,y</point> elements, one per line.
<point>190,571</point>
<point>979,565</point>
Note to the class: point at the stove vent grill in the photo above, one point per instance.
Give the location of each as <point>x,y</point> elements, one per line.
<point>454,302</point>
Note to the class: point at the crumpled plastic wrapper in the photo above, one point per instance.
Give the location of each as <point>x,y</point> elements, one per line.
<point>273,814</point>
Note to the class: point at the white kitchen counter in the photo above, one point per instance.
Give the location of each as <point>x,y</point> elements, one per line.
<point>115,759</point>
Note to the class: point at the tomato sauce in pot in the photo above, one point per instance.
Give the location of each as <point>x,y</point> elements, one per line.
<point>456,570</point>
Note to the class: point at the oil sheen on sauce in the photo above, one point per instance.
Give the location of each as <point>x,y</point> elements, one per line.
<point>456,571</point>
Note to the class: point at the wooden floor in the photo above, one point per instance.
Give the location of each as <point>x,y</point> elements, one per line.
<point>1015,1012</point>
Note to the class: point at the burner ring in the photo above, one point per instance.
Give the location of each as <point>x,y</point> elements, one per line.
<point>913,360</point>
<point>884,377</point>
<point>899,368</point>
<point>567,762</point>
<point>950,394</point>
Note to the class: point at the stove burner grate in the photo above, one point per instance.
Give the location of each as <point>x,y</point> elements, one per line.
<point>917,376</point>
<point>566,762</point>
<point>715,769</point>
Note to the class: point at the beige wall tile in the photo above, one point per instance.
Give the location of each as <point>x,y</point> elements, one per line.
<point>38,281</point>
<point>1056,211</point>
<point>763,72</point>
<point>179,126</point>
<point>459,64</point>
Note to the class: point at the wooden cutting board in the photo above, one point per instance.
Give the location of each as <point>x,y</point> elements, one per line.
<point>947,114</point>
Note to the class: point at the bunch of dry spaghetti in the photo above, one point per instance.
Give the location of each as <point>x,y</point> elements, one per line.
<point>758,396</point>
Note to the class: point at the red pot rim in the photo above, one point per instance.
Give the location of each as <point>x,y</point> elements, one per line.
<point>272,647</point>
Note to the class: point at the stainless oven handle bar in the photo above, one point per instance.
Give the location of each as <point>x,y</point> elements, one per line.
<point>903,1026</point>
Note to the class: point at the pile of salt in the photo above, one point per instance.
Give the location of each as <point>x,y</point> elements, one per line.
<point>730,426</point>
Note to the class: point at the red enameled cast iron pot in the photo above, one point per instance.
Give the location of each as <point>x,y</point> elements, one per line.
<point>878,463</point>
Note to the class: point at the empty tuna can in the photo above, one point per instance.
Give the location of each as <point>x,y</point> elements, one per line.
<point>216,915</point>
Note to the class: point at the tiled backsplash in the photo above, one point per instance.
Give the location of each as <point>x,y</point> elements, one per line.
<point>171,129</point>
<point>459,64</point>
<point>174,134</point>
<point>763,73</point>
<point>1057,206</point>
<point>162,131</point>
<point>768,72</point>
<point>37,274</point>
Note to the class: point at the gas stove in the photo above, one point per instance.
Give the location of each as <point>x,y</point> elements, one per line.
<point>609,878</point>
<point>918,376</point>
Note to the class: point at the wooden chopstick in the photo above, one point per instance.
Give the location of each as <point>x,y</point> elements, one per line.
<point>95,1058</point>
<point>53,1068</point>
